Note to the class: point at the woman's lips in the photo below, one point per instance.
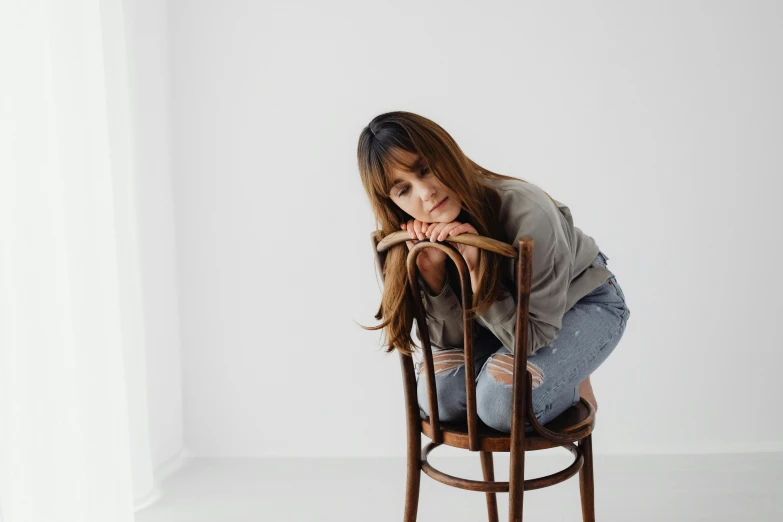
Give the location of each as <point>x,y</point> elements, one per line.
<point>439,205</point>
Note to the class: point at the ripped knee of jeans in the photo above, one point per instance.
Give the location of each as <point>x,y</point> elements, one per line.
<point>501,367</point>
<point>445,360</point>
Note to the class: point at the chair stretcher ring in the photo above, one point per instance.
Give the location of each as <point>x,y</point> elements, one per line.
<point>502,487</point>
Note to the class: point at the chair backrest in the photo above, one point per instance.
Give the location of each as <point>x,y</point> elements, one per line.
<point>522,379</point>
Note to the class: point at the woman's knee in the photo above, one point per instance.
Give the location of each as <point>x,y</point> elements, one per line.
<point>494,391</point>
<point>449,368</point>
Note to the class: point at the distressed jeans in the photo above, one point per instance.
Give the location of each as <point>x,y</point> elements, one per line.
<point>590,331</point>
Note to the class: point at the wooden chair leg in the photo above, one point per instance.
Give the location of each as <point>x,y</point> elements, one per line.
<point>489,474</point>
<point>413,480</point>
<point>516,482</point>
<point>586,486</point>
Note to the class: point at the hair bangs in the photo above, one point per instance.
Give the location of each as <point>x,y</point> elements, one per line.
<point>388,160</point>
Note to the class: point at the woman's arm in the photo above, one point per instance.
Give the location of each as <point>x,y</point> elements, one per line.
<point>549,285</point>
<point>444,315</point>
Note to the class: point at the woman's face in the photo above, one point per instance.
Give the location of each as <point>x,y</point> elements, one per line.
<point>422,195</point>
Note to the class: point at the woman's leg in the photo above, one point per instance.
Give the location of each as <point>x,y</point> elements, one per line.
<point>450,376</point>
<point>590,331</point>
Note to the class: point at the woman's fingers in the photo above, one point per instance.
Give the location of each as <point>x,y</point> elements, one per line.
<point>431,229</point>
<point>437,231</point>
<point>463,228</point>
<point>425,227</point>
<point>417,229</point>
<point>409,227</point>
<point>457,230</point>
<point>444,232</point>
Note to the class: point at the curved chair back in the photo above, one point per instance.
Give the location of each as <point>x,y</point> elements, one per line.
<point>522,379</point>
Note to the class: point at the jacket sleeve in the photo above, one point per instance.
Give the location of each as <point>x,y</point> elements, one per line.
<point>444,316</point>
<point>549,286</point>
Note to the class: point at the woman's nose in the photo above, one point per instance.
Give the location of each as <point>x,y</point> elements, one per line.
<point>428,193</point>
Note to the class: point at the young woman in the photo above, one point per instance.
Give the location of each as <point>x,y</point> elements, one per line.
<point>419,180</point>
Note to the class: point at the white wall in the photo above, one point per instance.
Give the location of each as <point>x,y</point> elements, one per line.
<point>659,124</point>
<point>150,89</point>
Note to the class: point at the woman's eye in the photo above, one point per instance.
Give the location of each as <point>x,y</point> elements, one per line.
<point>424,172</point>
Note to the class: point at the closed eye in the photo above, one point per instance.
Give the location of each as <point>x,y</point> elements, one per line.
<point>424,172</point>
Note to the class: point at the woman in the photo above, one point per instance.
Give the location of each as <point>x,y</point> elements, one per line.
<point>419,180</point>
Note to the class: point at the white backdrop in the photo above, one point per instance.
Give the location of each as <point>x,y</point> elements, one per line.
<point>75,427</point>
<point>150,88</point>
<point>659,125</point>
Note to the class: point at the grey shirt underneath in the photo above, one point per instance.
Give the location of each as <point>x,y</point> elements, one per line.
<point>563,272</point>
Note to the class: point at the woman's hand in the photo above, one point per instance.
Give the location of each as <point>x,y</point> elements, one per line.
<point>431,259</point>
<point>440,231</point>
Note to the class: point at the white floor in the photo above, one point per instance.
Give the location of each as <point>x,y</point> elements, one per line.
<point>715,488</point>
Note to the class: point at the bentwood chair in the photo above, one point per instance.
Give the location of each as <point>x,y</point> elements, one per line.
<point>575,425</point>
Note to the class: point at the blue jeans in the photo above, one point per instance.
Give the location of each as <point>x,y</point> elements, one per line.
<point>590,331</point>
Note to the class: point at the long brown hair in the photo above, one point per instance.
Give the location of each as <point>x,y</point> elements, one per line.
<point>377,155</point>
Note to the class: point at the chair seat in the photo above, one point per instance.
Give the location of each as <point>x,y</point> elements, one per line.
<point>577,417</point>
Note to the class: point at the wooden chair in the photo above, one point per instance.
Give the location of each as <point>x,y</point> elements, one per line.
<point>575,425</point>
